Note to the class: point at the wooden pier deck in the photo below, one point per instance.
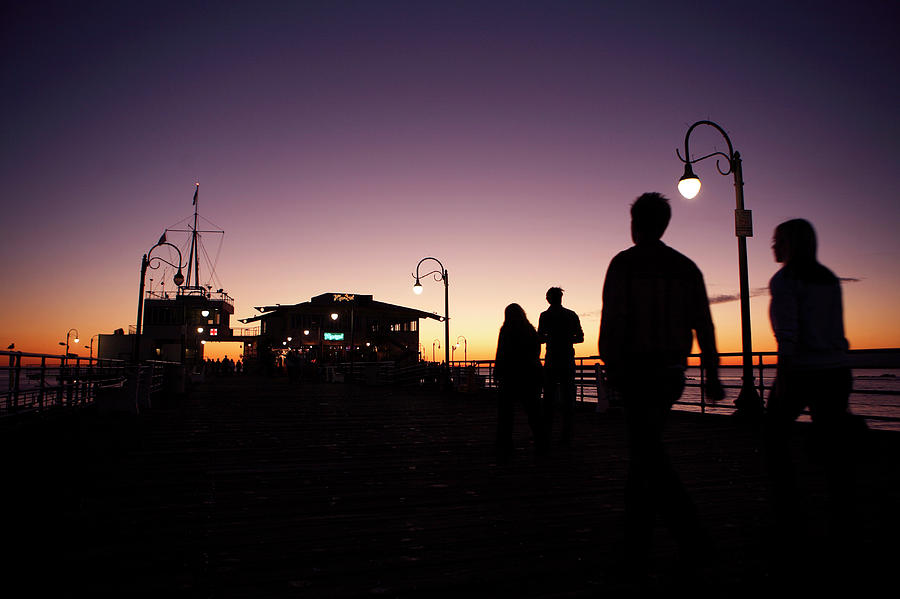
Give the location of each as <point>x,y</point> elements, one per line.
<point>256,488</point>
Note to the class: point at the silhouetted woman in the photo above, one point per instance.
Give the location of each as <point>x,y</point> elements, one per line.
<point>807,317</point>
<point>517,370</point>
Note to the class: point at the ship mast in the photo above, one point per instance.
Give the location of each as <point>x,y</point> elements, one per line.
<point>194,257</point>
<point>192,281</point>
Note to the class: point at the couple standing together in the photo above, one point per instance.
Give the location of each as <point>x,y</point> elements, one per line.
<point>520,375</point>
<point>654,302</point>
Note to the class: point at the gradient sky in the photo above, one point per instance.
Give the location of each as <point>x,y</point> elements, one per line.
<point>337,143</point>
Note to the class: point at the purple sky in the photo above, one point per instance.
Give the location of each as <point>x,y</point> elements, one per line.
<point>337,143</point>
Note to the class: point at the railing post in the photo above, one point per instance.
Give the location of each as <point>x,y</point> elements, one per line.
<point>581,377</point>
<point>702,389</point>
<point>762,383</point>
<point>18,368</point>
<point>43,382</point>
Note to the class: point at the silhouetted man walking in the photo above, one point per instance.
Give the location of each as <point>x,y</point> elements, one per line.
<point>559,328</point>
<point>654,299</point>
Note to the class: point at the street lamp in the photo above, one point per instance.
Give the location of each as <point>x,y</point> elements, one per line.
<point>148,262</point>
<point>438,342</point>
<point>439,275</point>
<point>465,347</point>
<point>748,401</point>
<point>68,333</point>
<point>91,347</point>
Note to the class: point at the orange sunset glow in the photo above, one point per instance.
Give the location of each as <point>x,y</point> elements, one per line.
<point>335,159</point>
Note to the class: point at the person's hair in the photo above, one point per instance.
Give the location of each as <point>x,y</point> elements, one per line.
<point>799,239</point>
<point>554,295</point>
<point>514,316</point>
<point>650,214</point>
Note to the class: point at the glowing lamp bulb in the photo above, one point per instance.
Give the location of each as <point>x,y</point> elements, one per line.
<point>76,339</point>
<point>204,313</point>
<point>199,329</point>
<point>689,184</point>
<point>334,316</point>
<point>417,288</point>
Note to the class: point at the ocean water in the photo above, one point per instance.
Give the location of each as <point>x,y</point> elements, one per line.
<point>876,394</point>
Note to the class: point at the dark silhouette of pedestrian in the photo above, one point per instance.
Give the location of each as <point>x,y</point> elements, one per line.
<point>559,328</point>
<point>654,300</point>
<point>517,370</point>
<point>807,318</point>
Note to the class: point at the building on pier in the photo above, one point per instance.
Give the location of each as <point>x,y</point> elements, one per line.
<point>337,327</point>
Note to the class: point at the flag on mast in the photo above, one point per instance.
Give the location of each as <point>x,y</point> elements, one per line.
<point>196,191</point>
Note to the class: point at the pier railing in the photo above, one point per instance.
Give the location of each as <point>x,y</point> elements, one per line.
<point>590,380</point>
<point>31,382</point>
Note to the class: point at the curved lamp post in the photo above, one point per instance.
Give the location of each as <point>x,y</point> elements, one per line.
<point>68,333</point>
<point>433,343</point>
<point>465,347</point>
<point>439,275</point>
<point>149,261</point>
<point>748,401</point>
<point>91,346</point>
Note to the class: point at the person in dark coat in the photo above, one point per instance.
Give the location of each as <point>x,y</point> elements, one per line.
<point>654,303</point>
<point>813,372</point>
<point>559,328</point>
<point>517,370</point>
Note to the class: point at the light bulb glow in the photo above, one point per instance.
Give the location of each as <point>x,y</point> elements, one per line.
<point>689,188</point>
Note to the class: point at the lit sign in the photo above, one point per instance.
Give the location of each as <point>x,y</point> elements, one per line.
<point>343,298</point>
<point>334,336</point>
<point>213,332</point>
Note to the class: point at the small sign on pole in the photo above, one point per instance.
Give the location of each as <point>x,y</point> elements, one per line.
<point>743,223</point>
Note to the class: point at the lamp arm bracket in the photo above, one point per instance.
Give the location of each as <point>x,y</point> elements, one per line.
<point>150,263</point>
<point>729,157</point>
<point>718,164</point>
<point>442,269</point>
<point>438,275</point>
<point>173,246</point>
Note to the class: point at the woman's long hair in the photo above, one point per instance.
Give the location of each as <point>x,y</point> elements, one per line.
<point>798,240</point>
<point>515,318</point>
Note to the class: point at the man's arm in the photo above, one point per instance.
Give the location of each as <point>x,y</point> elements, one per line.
<point>577,331</point>
<point>542,328</point>
<point>706,339</point>
<point>785,321</point>
<point>611,339</point>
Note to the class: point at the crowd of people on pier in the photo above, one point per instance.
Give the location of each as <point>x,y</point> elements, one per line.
<point>222,367</point>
